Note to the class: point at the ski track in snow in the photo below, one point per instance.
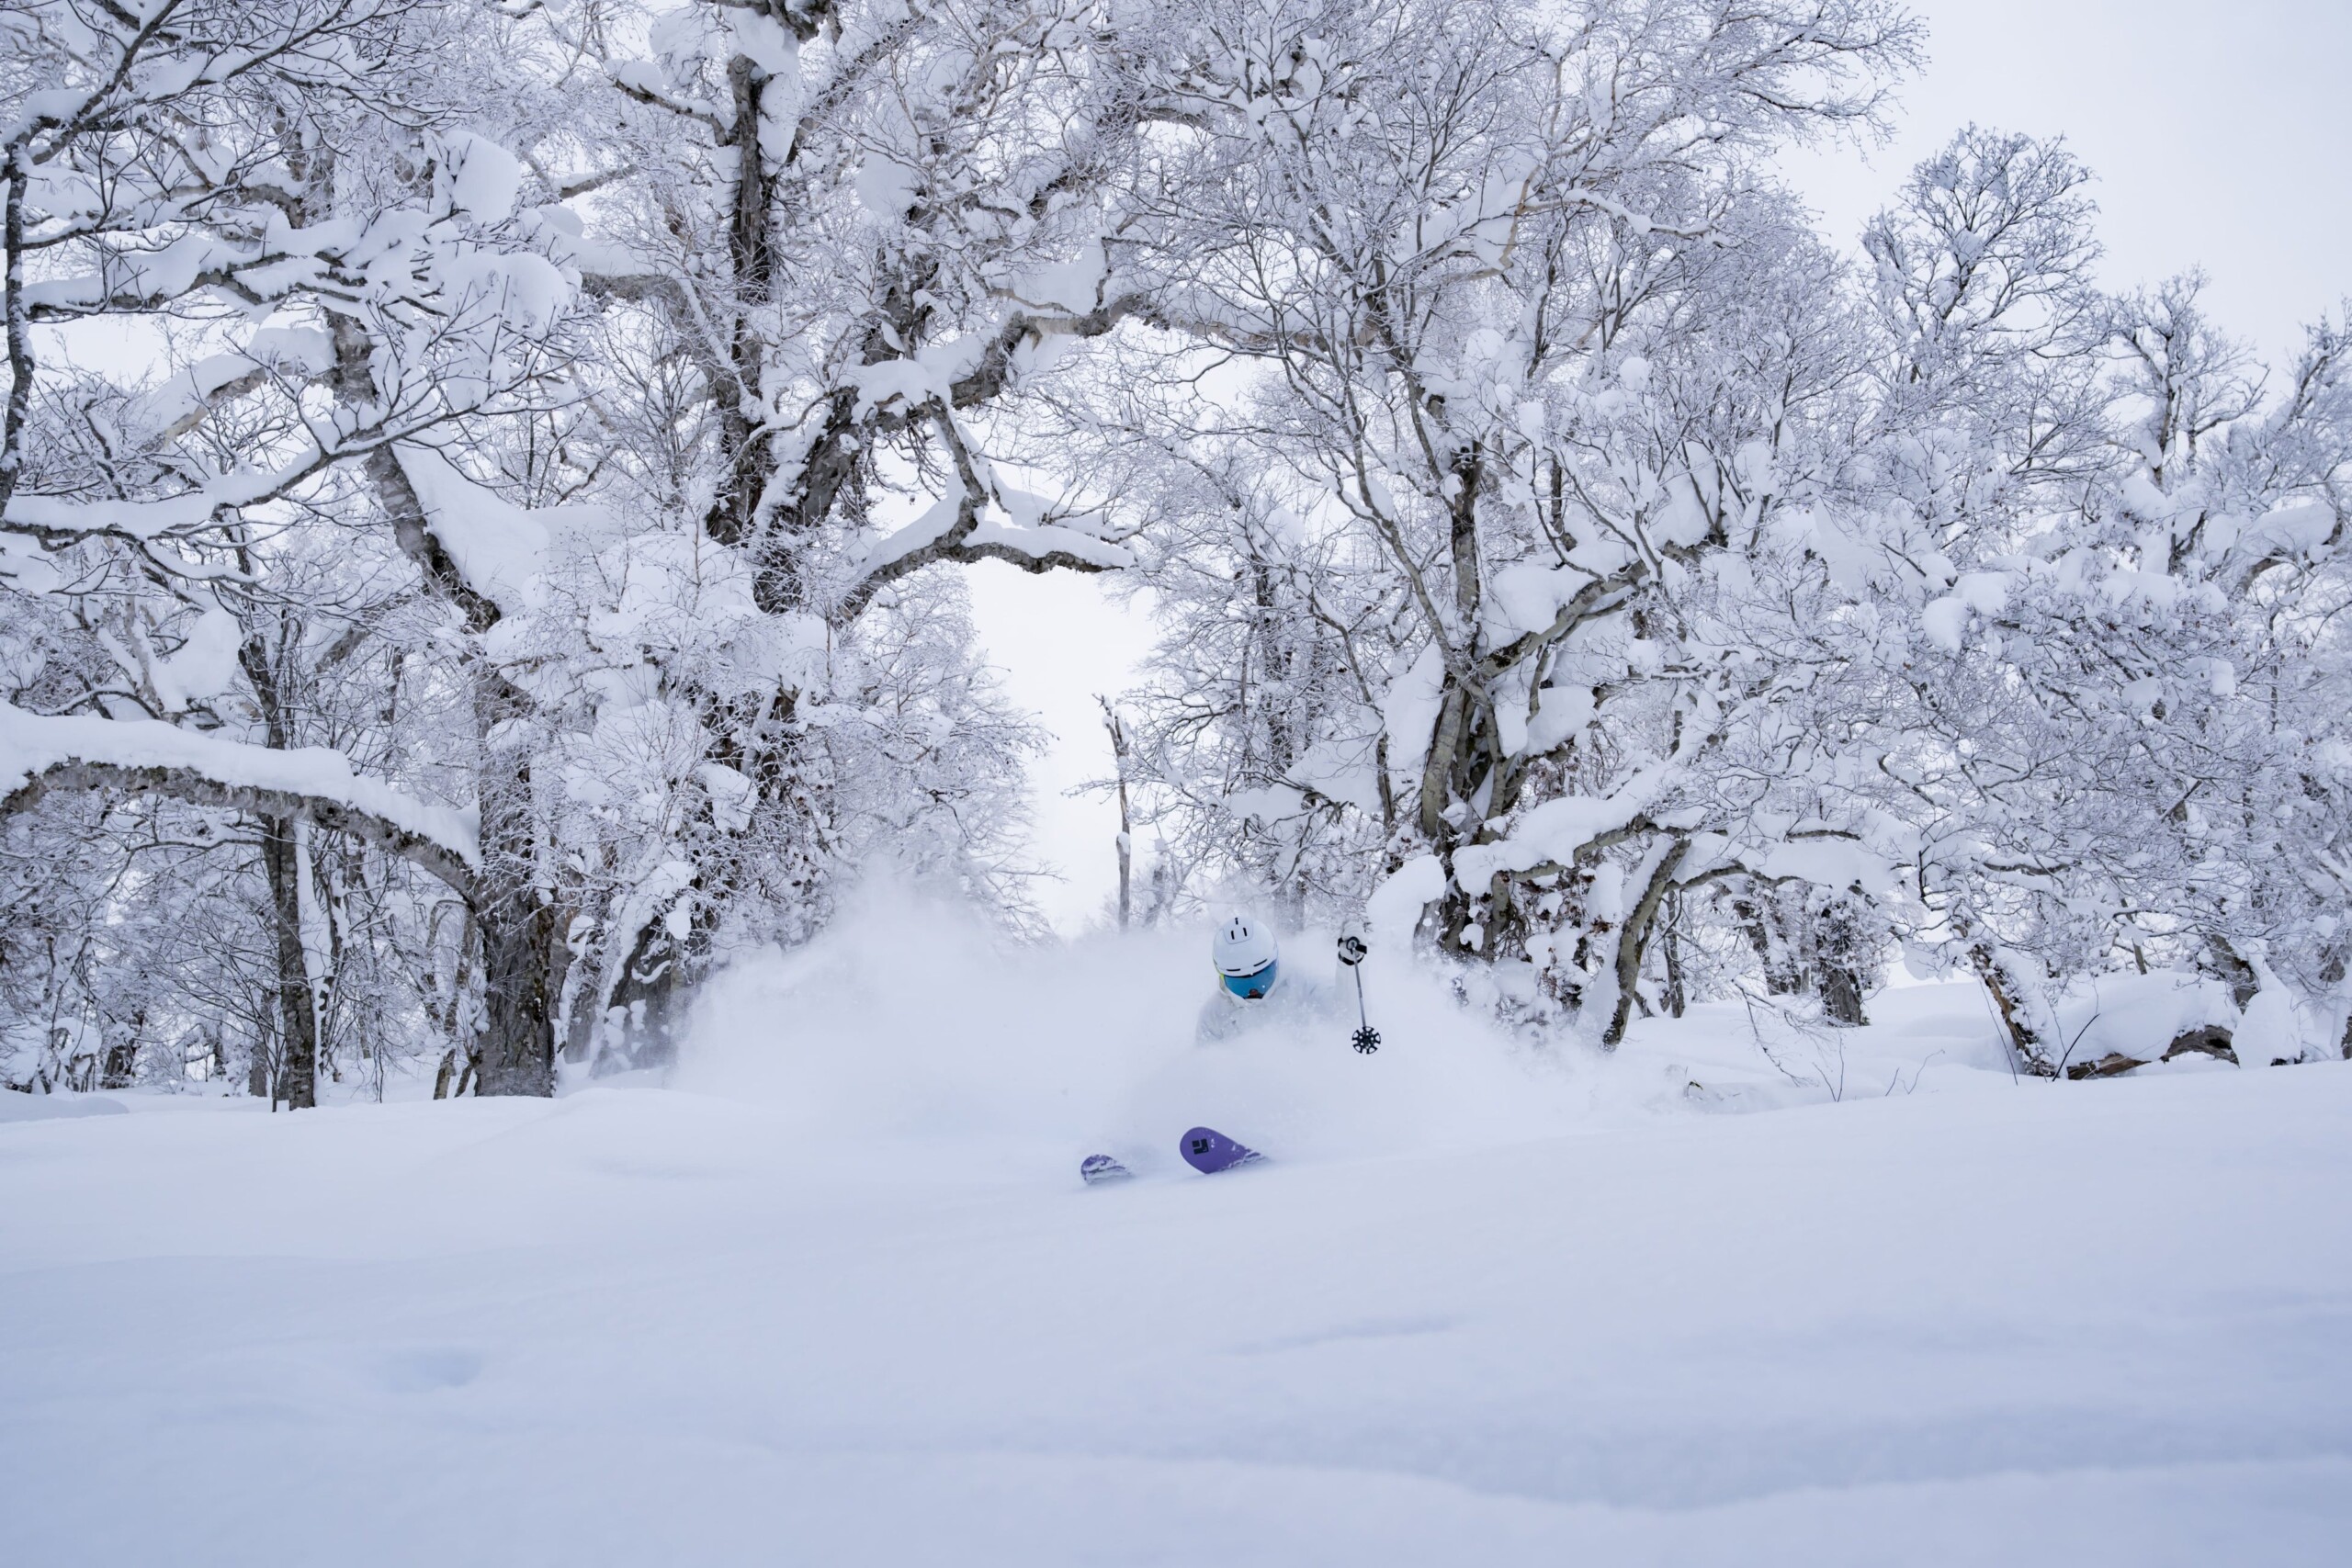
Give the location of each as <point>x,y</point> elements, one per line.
<point>2091,1323</point>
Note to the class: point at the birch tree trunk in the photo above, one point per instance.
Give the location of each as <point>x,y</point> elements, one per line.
<point>1126,826</point>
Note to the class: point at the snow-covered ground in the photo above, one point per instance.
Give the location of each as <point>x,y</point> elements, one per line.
<point>837,1298</point>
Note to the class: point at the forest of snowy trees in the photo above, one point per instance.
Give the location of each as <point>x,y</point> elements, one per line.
<point>487,483</point>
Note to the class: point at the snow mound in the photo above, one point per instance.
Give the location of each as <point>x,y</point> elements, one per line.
<point>54,1107</point>
<point>2138,1017</point>
<point>632,1326</point>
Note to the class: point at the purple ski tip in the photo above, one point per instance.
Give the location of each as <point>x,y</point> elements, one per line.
<point>1209,1151</point>
<point>1102,1168</point>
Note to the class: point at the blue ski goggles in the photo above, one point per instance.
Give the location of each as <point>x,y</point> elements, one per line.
<point>1249,987</point>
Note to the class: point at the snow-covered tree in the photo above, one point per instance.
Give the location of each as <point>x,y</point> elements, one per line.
<point>834,245</point>
<point>591,710</point>
<point>273,200</point>
<point>2092,567</point>
<point>1532,344</point>
<point>483,489</point>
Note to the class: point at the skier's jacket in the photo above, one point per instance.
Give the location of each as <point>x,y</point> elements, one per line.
<point>1297,1001</point>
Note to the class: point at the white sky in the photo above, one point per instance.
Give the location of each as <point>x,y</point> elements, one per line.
<point>1061,639</point>
<point>2220,132</point>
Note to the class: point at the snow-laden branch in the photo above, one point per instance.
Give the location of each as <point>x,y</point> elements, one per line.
<point>1558,832</point>
<point>958,529</point>
<point>642,80</point>
<point>59,520</point>
<point>498,549</point>
<point>40,753</point>
<point>182,402</point>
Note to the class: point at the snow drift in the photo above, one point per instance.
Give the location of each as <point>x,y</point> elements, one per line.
<point>632,1326</point>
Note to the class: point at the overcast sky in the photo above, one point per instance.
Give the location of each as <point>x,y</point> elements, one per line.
<point>2220,132</point>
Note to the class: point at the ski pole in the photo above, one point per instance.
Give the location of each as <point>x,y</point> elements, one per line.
<point>1351,954</point>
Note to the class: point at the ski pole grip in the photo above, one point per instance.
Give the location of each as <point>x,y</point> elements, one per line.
<point>1352,950</point>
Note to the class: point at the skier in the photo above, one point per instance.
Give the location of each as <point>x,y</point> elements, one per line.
<point>1253,988</point>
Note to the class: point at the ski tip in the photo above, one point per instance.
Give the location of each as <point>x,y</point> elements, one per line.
<point>1097,1169</point>
<point>1209,1151</point>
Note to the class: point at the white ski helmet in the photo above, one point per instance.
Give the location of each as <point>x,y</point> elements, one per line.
<point>1243,950</point>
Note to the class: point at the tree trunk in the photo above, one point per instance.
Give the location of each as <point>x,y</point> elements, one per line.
<point>258,1072</point>
<point>1759,914</point>
<point>1841,954</point>
<point>2030,1051</point>
<point>1841,996</point>
<point>651,991</point>
<point>2225,962</point>
<point>298,1022</point>
<point>512,918</point>
<point>516,924</point>
<point>517,1051</point>
<point>120,1069</point>
<point>1677,993</point>
<point>1126,826</point>
<point>1632,939</point>
<point>19,328</point>
<point>297,1078</point>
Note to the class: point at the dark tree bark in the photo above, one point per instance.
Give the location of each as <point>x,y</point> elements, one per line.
<point>1839,936</point>
<point>121,1068</point>
<point>1841,996</point>
<point>298,1021</point>
<point>1760,917</point>
<point>655,984</point>
<point>516,924</point>
<point>2029,1052</point>
<point>2225,964</point>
